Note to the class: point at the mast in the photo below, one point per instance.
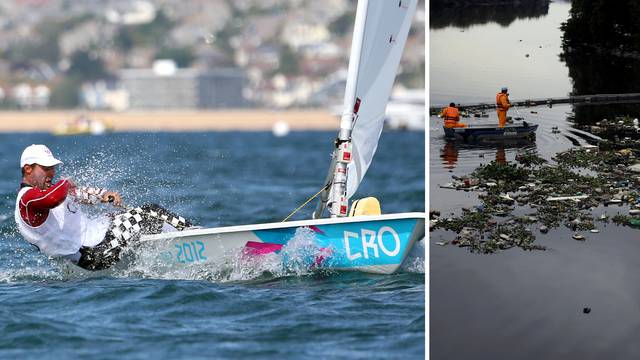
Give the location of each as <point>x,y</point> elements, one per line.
<point>335,197</point>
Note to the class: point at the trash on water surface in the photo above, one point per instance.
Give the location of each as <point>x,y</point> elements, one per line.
<point>563,192</point>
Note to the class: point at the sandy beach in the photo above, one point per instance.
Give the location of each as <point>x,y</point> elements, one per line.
<point>187,120</point>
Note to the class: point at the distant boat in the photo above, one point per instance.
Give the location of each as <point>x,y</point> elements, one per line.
<point>485,132</point>
<point>82,126</point>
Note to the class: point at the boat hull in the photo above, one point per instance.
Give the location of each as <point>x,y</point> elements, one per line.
<point>492,133</point>
<point>374,244</point>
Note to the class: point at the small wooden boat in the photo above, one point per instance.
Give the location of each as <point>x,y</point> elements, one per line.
<point>472,133</point>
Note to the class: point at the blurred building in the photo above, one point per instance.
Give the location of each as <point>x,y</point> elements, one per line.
<point>30,97</point>
<point>167,87</point>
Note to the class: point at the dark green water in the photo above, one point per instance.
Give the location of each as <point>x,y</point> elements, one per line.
<point>216,179</point>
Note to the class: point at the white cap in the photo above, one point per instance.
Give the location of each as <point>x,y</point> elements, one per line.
<point>38,154</point>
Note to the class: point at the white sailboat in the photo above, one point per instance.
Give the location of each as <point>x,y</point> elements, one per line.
<point>371,243</point>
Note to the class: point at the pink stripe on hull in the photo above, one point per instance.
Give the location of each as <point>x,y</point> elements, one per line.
<point>258,248</point>
<point>316,230</point>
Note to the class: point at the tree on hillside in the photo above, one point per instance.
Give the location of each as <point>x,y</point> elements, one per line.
<point>152,34</point>
<point>288,61</point>
<point>86,66</point>
<point>342,25</point>
<point>66,93</point>
<point>183,56</point>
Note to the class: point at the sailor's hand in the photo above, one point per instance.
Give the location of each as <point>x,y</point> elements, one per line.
<point>72,185</point>
<point>112,197</point>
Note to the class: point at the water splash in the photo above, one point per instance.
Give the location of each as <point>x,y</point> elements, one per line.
<point>414,263</point>
<point>299,257</point>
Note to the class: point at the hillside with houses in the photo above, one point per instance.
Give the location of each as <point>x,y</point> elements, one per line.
<point>203,54</point>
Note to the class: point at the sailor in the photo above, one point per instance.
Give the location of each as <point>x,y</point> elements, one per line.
<point>50,216</point>
<point>451,117</point>
<point>502,105</point>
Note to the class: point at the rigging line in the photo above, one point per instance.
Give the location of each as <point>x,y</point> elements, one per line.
<point>308,200</point>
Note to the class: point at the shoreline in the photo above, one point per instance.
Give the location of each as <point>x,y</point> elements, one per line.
<point>173,120</point>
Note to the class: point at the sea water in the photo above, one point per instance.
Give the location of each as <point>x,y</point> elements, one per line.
<point>269,308</point>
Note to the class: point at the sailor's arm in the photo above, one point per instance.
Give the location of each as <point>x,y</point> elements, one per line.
<point>93,195</point>
<point>35,203</point>
<point>36,199</point>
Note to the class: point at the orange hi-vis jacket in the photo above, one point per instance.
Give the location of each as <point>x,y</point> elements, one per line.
<point>502,104</point>
<point>451,117</point>
<point>502,101</point>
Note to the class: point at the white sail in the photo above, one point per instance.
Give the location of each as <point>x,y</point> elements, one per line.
<point>380,34</point>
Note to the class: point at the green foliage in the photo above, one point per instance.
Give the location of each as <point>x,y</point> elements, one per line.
<point>8,104</point>
<point>66,94</point>
<point>610,24</point>
<point>232,28</point>
<point>288,61</point>
<point>86,67</point>
<point>44,45</point>
<point>476,220</point>
<point>601,44</point>
<point>153,33</point>
<point>510,176</point>
<point>343,24</point>
<point>183,56</point>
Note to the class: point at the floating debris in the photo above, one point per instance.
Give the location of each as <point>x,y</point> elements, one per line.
<point>564,193</point>
<point>562,198</point>
<point>529,159</point>
<point>619,127</point>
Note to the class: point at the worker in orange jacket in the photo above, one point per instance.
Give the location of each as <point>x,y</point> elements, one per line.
<point>502,105</point>
<point>451,117</point>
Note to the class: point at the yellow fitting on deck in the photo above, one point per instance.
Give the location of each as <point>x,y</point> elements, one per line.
<point>366,206</point>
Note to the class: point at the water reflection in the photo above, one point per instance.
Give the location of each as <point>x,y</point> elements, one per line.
<point>464,14</point>
<point>596,73</point>
<point>501,156</point>
<point>451,150</point>
<point>449,154</point>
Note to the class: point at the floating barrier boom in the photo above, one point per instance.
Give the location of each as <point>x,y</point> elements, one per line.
<point>577,99</point>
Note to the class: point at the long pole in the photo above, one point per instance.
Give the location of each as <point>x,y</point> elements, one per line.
<point>336,196</point>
